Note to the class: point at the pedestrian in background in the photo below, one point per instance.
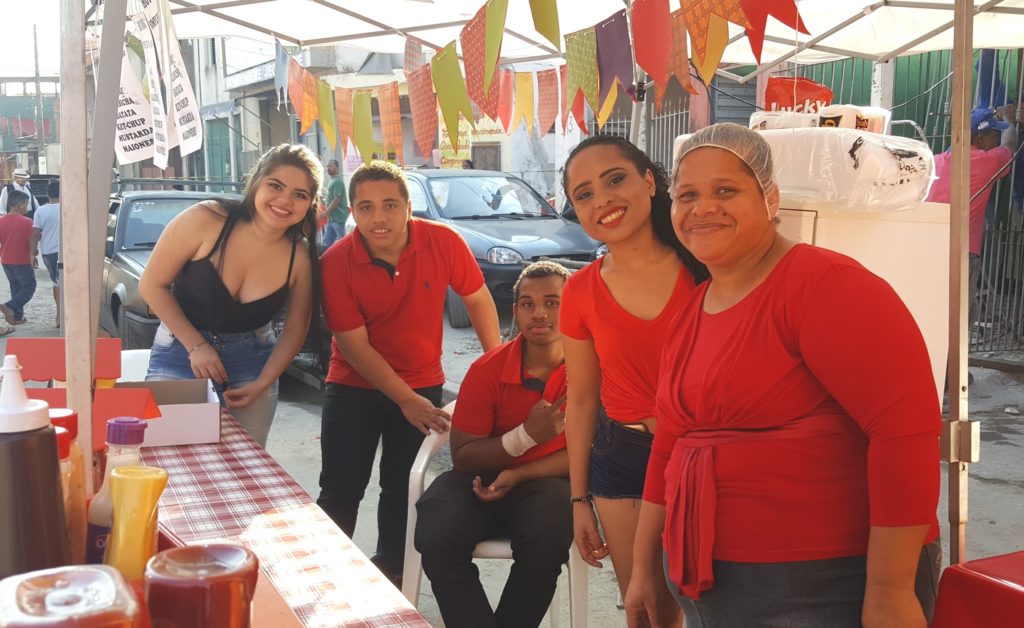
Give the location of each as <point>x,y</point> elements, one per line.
<point>19,184</point>
<point>337,205</point>
<point>18,256</point>
<point>46,236</point>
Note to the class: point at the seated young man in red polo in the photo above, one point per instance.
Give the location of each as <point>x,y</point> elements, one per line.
<point>384,288</point>
<point>511,470</point>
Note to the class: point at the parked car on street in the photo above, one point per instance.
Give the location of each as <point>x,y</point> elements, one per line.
<point>505,222</point>
<point>134,225</point>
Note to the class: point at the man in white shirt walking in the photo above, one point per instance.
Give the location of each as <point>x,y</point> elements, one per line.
<point>20,184</point>
<point>46,234</point>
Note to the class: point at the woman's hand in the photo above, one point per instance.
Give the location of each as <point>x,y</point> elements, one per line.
<point>588,540</point>
<point>244,395</point>
<point>886,607</point>
<point>206,363</point>
<point>642,602</point>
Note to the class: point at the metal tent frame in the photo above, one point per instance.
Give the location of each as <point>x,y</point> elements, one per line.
<point>86,173</point>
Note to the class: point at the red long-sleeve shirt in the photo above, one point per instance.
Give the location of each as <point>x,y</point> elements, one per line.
<point>822,341</point>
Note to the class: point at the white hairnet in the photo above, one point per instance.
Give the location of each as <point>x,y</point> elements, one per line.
<point>749,146</point>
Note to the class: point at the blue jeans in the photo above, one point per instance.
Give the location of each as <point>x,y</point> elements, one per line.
<point>243,356</point>
<point>22,278</point>
<point>333,232</point>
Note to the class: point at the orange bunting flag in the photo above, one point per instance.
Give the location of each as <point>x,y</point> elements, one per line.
<point>391,119</point>
<point>706,22</point>
<point>581,59</point>
<point>524,102</point>
<point>310,108</point>
<point>413,56</point>
<point>451,91</point>
<point>295,86</point>
<point>679,61</point>
<point>474,61</point>
<point>506,97</point>
<point>423,104</point>
<point>343,109</point>
<point>547,100</point>
<point>757,11</point>
<point>652,37</point>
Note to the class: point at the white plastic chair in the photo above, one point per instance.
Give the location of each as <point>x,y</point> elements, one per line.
<point>412,572</point>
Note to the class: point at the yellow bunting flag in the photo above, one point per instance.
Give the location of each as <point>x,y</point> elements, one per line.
<point>327,117</point>
<point>709,32</point>
<point>362,120</point>
<point>609,106</point>
<point>343,109</point>
<point>310,107</point>
<point>545,20</point>
<point>451,91</point>
<point>581,61</point>
<point>524,102</point>
<point>495,28</point>
<point>391,120</point>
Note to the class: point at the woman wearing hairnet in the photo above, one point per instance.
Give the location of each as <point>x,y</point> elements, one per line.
<point>794,476</point>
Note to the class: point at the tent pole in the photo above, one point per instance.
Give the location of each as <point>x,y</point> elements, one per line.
<point>75,248</point>
<point>957,431</point>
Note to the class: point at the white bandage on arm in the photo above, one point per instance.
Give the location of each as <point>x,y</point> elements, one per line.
<point>517,442</point>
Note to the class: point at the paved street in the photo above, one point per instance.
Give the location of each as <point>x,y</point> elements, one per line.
<point>996,488</point>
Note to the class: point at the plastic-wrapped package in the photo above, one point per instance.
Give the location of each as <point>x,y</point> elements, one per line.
<point>850,170</point>
<point>764,120</point>
<point>874,119</point>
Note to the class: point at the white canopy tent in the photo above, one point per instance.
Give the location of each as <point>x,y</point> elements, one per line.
<point>839,28</point>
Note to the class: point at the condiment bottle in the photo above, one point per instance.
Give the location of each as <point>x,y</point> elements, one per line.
<point>201,586</point>
<point>135,492</point>
<point>94,596</point>
<point>76,515</point>
<point>124,438</point>
<point>33,530</point>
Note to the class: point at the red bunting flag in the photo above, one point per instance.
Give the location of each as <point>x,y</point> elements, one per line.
<point>679,61</point>
<point>343,109</point>
<point>423,104</point>
<point>547,100</point>
<point>310,106</point>
<point>391,119</point>
<point>473,40</point>
<point>506,97</point>
<point>652,37</point>
<point>757,11</point>
<point>577,103</point>
<point>295,86</point>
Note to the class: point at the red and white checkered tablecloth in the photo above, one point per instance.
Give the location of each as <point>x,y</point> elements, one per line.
<point>235,491</point>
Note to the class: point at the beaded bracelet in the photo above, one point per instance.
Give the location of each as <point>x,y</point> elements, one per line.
<point>582,499</point>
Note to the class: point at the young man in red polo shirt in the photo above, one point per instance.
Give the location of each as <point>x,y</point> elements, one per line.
<point>18,255</point>
<point>384,288</point>
<point>511,470</point>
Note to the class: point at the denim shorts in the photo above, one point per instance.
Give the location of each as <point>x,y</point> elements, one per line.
<point>50,261</point>
<point>243,356</point>
<point>801,594</point>
<point>618,460</point>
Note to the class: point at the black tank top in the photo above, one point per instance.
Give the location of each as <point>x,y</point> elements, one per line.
<point>210,306</point>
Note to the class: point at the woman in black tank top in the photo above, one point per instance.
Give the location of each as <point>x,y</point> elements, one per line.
<point>221,272</point>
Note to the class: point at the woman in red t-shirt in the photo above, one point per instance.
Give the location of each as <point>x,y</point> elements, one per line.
<point>794,477</point>
<point>616,314</point>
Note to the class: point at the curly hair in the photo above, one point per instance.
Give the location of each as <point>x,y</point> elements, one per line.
<point>537,270</point>
<point>661,202</point>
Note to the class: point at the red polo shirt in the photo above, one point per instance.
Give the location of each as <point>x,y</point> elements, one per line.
<point>15,232</point>
<point>402,314</point>
<point>493,399</point>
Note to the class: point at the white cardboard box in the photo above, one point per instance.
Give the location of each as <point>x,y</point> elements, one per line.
<point>189,409</point>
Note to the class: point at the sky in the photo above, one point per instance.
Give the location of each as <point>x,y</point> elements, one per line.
<point>16,58</point>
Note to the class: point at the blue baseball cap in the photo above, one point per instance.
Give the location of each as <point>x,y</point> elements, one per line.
<point>984,119</point>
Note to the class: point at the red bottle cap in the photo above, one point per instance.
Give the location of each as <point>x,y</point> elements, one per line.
<point>66,418</point>
<point>63,442</point>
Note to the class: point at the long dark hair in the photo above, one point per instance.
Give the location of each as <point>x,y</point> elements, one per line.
<point>302,233</point>
<point>661,202</point>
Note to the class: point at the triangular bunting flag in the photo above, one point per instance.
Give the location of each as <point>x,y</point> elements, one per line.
<point>325,107</point>
<point>581,59</point>
<point>423,105</point>
<point>473,60</point>
<point>343,109</point>
<point>679,61</point>
<point>608,107</point>
<point>362,118</point>
<point>614,57</point>
<point>413,56</point>
<point>705,21</point>
<point>280,73</point>
<point>562,95</point>
<point>545,20</point>
<point>310,108</point>
<point>451,91</point>
<point>652,37</point>
<point>524,102</point>
<point>295,86</point>
<point>391,120</point>
<point>495,30</point>
<point>757,12</point>
<point>547,100</point>
<point>506,97</point>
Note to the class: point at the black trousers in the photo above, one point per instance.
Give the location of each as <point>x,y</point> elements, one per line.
<point>354,421</point>
<point>536,517</point>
